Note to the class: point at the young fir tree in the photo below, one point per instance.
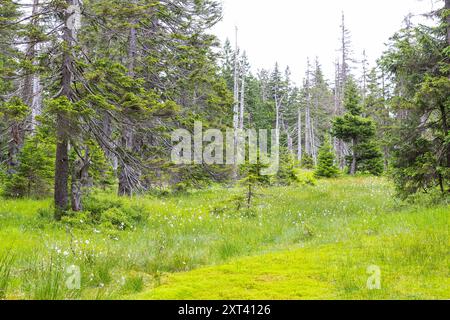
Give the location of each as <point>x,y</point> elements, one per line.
<point>286,174</point>
<point>358,130</point>
<point>326,165</point>
<point>252,179</point>
<point>34,175</point>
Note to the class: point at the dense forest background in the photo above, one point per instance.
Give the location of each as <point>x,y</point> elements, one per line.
<point>90,92</point>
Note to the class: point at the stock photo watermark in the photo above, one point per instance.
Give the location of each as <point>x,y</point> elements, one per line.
<point>73,280</point>
<point>374,280</point>
<point>74,19</point>
<point>234,147</point>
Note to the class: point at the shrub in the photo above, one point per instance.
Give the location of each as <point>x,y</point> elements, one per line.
<point>34,176</point>
<point>286,174</point>
<point>306,177</point>
<point>326,167</point>
<point>370,158</point>
<point>116,218</point>
<point>109,215</point>
<point>307,162</point>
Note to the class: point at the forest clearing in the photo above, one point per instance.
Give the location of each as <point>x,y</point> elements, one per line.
<point>224,150</point>
<point>304,242</point>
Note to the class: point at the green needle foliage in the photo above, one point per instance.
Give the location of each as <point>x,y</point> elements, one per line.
<point>326,165</point>
<point>359,131</point>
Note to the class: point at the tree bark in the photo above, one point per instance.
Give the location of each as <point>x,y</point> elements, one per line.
<point>14,146</point>
<point>235,109</point>
<point>80,179</point>
<point>308,136</point>
<point>61,166</point>
<point>313,142</point>
<point>299,135</point>
<point>76,186</point>
<point>242,103</point>
<point>31,88</point>
<point>61,194</point>
<point>277,117</point>
<point>353,167</point>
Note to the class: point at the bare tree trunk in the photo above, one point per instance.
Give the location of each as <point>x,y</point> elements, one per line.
<point>307,131</point>
<point>80,179</point>
<point>242,104</point>
<point>61,195</point>
<point>14,146</point>
<point>345,55</point>
<point>353,167</point>
<point>344,71</point>
<point>313,141</point>
<point>76,186</point>
<point>19,127</point>
<point>308,144</point>
<point>31,88</point>
<point>364,77</point>
<point>336,111</point>
<point>277,116</point>
<point>299,135</point>
<point>61,166</point>
<point>290,143</point>
<point>236,108</point>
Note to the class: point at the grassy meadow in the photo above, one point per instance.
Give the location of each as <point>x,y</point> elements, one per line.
<point>298,242</point>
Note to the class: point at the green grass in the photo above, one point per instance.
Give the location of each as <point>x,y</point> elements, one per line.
<point>300,242</point>
<point>411,251</point>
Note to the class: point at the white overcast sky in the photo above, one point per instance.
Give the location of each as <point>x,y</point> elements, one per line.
<point>289,31</point>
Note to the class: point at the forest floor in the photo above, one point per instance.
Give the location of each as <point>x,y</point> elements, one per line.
<point>299,242</point>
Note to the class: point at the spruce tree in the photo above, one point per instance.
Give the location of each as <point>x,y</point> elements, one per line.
<point>326,165</point>
<point>421,78</point>
<point>357,129</point>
